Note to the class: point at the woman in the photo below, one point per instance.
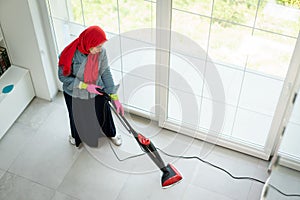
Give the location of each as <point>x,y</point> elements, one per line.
<point>83,68</point>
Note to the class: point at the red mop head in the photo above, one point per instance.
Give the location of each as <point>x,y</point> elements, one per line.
<point>170,176</point>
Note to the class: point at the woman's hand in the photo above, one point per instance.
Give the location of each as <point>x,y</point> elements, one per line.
<point>91,88</point>
<point>119,107</point>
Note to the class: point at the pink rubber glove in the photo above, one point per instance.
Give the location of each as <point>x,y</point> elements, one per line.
<point>92,89</point>
<point>118,107</point>
<point>89,87</point>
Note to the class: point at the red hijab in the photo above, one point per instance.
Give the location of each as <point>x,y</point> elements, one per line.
<point>90,37</point>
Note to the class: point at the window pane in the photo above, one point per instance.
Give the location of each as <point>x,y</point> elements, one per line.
<point>193,26</point>
<point>137,14</point>
<point>273,16</point>
<point>65,33</point>
<point>237,11</point>
<point>269,53</point>
<point>181,68</point>
<point>61,33</point>
<point>260,93</point>
<point>139,93</point>
<point>184,108</point>
<point>231,80</point>
<point>103,14</point>
<point>207,115</point>
<point>75,11</point>
<point>202,7</point>
<point>227,43</point>
<point>59,9</point>
<point>251,127</point>
<point>137,17</point>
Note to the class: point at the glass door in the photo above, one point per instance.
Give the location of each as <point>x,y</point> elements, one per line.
<point>232,59</point>
<point>289,149</point>
<point>130,46</point>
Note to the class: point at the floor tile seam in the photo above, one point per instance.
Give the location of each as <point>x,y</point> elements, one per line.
<point>256,162</point>
<point>39,125</point>
<point>68,195</point>
<point>56,100</point>
<point>26,125</point>
<point>249,192</point>
<point>185,189</point>
<point>32,181</point>
<point>49,104</point>
<point>22,149</point>
<point>71,166</point>
<point>214,191</point>
<point>121,189</point>
<point>208,165</point>
<point>222,193</point>
<point>252,174</point>
<point>258,170</point>
<point>29,141</point>
<point>9,170</point>
<point>284,189</point>
<point>5,171</point>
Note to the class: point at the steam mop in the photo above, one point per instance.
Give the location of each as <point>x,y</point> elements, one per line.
<point>170,174</point>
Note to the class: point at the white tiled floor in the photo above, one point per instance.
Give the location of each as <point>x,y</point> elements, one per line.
<point>37,162</point>
<point>287,181</point>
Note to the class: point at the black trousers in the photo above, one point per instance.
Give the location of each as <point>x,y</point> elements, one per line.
<point>89,119</point>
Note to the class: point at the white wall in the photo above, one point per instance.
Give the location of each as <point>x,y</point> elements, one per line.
<point>27,40</point>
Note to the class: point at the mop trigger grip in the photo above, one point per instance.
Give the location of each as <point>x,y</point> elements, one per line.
<point>104,94</point>
<point>143,140</point>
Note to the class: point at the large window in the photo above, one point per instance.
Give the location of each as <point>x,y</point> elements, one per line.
<point>241,49</point>
<point>118,18</point>
<point>249,44</point>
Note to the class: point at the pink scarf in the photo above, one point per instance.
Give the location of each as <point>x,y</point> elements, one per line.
<point>91,71</point>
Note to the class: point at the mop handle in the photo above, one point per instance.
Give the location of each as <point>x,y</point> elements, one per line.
<point>149,148</point>
<point>122,119</point>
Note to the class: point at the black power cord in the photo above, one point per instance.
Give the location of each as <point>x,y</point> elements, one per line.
<point>232,176</point>
<point>213,165</point>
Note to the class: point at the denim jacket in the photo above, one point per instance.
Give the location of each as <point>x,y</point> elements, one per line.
<point>71,82</point>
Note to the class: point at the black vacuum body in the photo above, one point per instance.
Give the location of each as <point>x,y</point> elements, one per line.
<point>170,174</point>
